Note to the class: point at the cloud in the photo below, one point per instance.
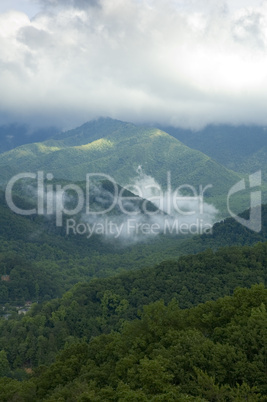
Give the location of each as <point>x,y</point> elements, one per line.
<point>115,213</point>
<point>182,63</point>
<point>133,220</point>
<point>68,3</point>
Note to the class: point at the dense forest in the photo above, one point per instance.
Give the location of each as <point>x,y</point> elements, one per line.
<point>51,332</point>
<point>213,352</point>
<point>174,318</point>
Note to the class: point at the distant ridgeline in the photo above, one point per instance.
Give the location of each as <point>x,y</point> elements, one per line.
<point>15,135</point>
<point>240,148</point>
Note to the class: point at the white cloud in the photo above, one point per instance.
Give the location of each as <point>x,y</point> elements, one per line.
<point>184,63</point>
<point>29,7</point>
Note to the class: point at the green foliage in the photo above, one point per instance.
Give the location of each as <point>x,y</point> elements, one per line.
<point>103,305</point>
<point>140,335</point>
<point>240,148</point>
<point>168,354</point>
<point>4,365</point>
<point>43,262</point>
<point>117,148</point>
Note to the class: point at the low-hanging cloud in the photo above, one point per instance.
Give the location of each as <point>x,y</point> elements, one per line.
<point>132,221</point>
<point>112,212</point>
<point>181,63</point>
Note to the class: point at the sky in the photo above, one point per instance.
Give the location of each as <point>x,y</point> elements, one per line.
<point>185,63</point>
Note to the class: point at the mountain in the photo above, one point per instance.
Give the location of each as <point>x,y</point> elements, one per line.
<point>240,148</point>
<point>93,340</point>
<point>14,135</point>
<point>120,150</point>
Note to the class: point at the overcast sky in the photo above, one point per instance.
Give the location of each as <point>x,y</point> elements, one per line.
<point>178,62</point>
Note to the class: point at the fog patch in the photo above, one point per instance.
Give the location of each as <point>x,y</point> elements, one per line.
<point>150,213</point>
<point>138,212</point>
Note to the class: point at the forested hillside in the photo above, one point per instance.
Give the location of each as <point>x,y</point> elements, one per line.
<point>118,148</point>
<point>100,306</point>
<point>213,352</point>
<point>42,262</point>
<point>240,148</point>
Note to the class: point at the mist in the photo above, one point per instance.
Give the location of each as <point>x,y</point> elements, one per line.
<point>135,220</point>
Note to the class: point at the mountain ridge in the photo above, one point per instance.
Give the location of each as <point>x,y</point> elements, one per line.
<point>122,148</point>
<point>239,148</point>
